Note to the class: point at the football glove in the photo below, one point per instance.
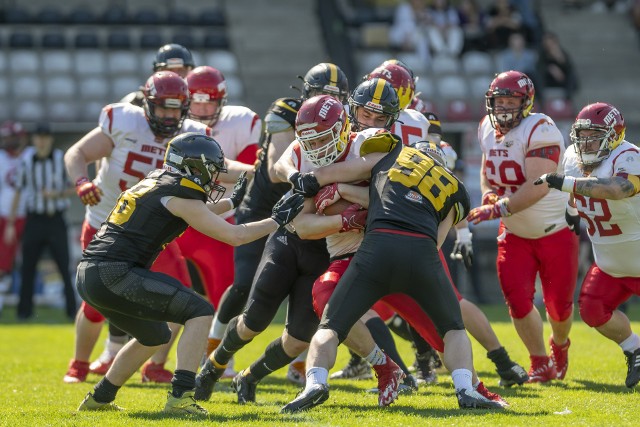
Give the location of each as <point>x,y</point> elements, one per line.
<point>327,196</point>
<point>239,190</point>
<point>573,219</point>
<point>287,209</point>
<point>557,181</point>
<point>487,212</point>
<point>304,183</point>
<point>490,197</point>
<point>88,192</point>
<point>463,248</point>
<point>353,218</point>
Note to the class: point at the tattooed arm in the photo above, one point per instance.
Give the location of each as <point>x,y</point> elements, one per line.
<point>613,188</point>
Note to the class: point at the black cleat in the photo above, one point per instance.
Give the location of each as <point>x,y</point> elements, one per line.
<point>471,399</point>
<point>512,376</point>
<point>245,389</point>
<point>633,368</point>
<point>206,380</point>
<point>307,399</point>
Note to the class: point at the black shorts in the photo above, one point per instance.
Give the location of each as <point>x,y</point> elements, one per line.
<point>139,301</point>
<point>386,264</point>
<point>289,267</point>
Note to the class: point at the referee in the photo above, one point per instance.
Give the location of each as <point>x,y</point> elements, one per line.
<point>43,181</point>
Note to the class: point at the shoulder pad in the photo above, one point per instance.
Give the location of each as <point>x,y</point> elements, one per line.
<point>281,115</point>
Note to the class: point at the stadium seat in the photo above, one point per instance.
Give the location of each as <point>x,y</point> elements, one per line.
<point>89,62</point>
<point>23,61</point>
<point>90,111</point>
<point>50,15</point>
<point>370,59</point>
<point>146,17</point>
<point>115,15</point>
<point>476,62</point>
<point>374,35</point>
<point>150,39</point>
<point>215,40</point>
<point>146,61</point>
<point>86,40</point>
<point>184,38</point>
<point>4,88</point>
<point>119,40</point>
<point>442,64</point>
<point>413,61</point>
<point>124,84</point>
<point>82,16</point>
<point>426,87</point>
<point>56,61</point>
<point>94,88</point>
<point>223,60</point>
<point>235,88</point>
<point>53,40</point>
<point>21,40</point>
<point>559,109</point>
<point>26,86</point>
<point>479,85</point>
<point>62,111</point>
<point>3,61</point>
<point>17,15</point>
<point>123,61</point>
<point>29,111</point>
<point>460,110</point>
<point>211,18</point>
<point>60,87</point>
<point>452,87</point>
<point>179,17</point>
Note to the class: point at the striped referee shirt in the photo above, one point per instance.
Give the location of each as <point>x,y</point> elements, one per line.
<point>39,174</point>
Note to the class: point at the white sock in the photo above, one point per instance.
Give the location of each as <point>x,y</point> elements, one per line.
<point>631,344</point>
<point>461,379</point>
<point>217,329</point>
<point>475,386</point>
<point>376,357</point>
<point>316,376</point>
<point>301,357</point>
<point>113,347</point>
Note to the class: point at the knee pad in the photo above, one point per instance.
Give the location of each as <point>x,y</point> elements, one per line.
<point>519,308</point>
<point>91,313</point>
<point>159,336</point>
<point>322,290</point>
<point>198,307</point>
<point>593,312</point>
<point>232,302</point>
<point>559,311</point>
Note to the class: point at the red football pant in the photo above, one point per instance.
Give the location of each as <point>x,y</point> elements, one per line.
<point>10,250</point>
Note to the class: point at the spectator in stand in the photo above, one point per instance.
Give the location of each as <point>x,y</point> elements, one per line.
<point>502,21</point>
<point>408,30</point>
<point>530,20</point>
<point>13,140</point>
<point>517,56</point>
<point>555,67</point>
<point>44,183</point>
<point>473,23</point>
<point>445,33</point>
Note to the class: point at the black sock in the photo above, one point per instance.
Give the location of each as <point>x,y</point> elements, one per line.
<point>400,327</point>
<point>500,358</point>
<point>104,391</point>
<point>421,345</point>
<point>230,344</point>
<point>382,336</point>
<point>182,381</point>
<point>354,355</point>
<point>273,358</point>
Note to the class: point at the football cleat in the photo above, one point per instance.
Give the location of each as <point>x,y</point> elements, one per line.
<point>296,373</point>
<point>494,397</point>
<point>229,372</point>
<point>425,368</point>
<point>245,389</point>
<point>90,404</point>
<point>307,399</point>
<point>102,364</point>
<point>77,372</point>
<point>155,372</point>
<point>512,376</point>
<point>471,399</point>
<point>357,369</point>
<point>560,357</point>
<point>185,404</point>
<point>408,386</point>
<point>633,368</point>
<point>206,380</point>
<point>389,377</point>
<point>542,370</point>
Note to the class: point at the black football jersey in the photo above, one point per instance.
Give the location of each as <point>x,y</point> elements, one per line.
<point>262,194</point>
<point>139,226</point>
<point>412,192</point>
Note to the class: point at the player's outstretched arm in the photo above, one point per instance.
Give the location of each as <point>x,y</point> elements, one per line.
<point>613,188</point>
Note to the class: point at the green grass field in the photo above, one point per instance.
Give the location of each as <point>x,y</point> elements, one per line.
<point>34,357</point>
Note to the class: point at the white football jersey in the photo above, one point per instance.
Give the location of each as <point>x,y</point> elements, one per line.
<point>9,168</point>
<point>136,152</point>
<point>412,126</point>
<point>505,170</point>
<point>613,225</point>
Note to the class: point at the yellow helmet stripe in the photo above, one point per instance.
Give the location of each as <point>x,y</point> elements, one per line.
<point>333,75</point>
<point>377,93</point>
<point>286,106</point>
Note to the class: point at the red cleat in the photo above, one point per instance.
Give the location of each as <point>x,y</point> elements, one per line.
<point>389,377</point>
<point>494,397</point>
<point>560,357</point>
<point>542,370</point>
<point>155,372</point>
<point>102,364</point>
<point>77,372</point>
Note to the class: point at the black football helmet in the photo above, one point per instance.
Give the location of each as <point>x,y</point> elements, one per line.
<point>200,159</point>
<point>173,55</point>
<point>325,79</point>
<point>378,96</point>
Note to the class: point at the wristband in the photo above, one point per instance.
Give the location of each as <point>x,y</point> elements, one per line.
<point>569,184</point>
<point>572,210</point>
<point>503,206</point>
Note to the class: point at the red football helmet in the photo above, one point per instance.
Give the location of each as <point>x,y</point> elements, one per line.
<point>12,136</point>
<point>401,80</point>
<point>607,122</point>
<point>207,86</point>
<point>165,89</point>
<point>513,84</point>
<point>321,117</point>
